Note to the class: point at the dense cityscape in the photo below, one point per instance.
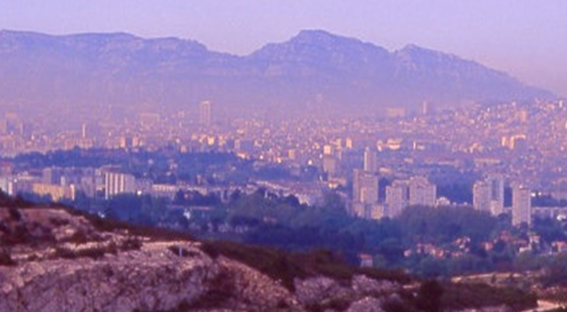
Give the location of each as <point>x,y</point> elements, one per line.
<point>502,160</point>
<point>522,142</point>
<point>298,156</point>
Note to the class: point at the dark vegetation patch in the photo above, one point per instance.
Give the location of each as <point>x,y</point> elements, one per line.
<point>95,252</point>
<point>79,237</point>
<point>58,222</point>
<point>18,232</point>
<point>14,202</point>
<point>98,251</point>
<point>131,243</point>
<point>6,258</point>
<point>220,291</point>
<point>461,296</point>
<point>285,267</point>
<point>183,306</point>
<point>399,305</point>
<point>335,304</point>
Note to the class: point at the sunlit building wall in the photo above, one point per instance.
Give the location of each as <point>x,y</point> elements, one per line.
<point>118,183</point>
<point>521,205</point>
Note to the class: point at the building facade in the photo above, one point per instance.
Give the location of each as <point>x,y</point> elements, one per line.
<point>521,205</point>
<point>417,191</point>
<point>118,183</point>
<point>205,113</point>
<point>488,195</point>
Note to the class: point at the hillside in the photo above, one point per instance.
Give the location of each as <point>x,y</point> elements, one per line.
<point>314,72</point>
<point>55,259</point>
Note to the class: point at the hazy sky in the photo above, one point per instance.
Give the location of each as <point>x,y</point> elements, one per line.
<point>526,38</point>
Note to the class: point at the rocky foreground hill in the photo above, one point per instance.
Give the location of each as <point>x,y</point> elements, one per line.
<point>54,259</point>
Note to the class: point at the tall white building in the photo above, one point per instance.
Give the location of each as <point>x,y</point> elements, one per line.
<point>364,193</point>
<point>488,195</point>
<point>496,194</point>
<point>330,165</point>
<point>365,187</point>
<point>397,198</point>
<point>118,183</point>
<point>370,160</point>
<point>481,196</point>
<point>205,113</point>
<point>521,205</point>
<point>422,192</point>
<point>417,191</point>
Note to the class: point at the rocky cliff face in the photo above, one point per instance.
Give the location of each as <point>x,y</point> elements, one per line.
<point>153,278</point>
<point>52,260</point>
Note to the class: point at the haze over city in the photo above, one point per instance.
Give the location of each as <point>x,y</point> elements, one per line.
<point>298,156</point>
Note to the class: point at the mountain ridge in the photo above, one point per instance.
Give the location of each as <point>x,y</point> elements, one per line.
<point>313,71</point>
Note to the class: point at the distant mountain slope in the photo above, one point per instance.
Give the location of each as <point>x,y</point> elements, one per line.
<point>313,72</point>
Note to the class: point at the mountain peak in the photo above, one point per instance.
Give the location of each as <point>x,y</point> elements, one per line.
<point>321,37</point>
<point>415,50</point>
<point>323,49</point>
<point>414,47</point>
<point>315,34</point>
<point>413,56</point>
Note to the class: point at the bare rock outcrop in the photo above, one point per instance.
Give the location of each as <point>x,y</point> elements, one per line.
<point>149,279</point>
<point>153,278</point>
<point>358,294</point>
<point>367,304</point>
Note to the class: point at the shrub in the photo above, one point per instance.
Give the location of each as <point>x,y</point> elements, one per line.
<point>6,258</point>
<point>92,252</point>
<point>131,243</point>
<point>57,222</point>
<point>464,296</point>
<point>79,237</point>
<point>394,275</point>
<point>429,296</point>
<point>397,306</point>
<point>14,214</point>
<point>220,291</point>
<point>65,253</point>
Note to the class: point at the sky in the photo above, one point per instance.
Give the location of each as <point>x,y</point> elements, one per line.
<point>525,38</point>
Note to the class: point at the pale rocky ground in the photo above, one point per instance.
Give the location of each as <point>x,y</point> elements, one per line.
<point>153,276</point>
<point>150,279</point>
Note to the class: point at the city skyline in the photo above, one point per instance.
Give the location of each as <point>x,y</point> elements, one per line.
<point>519,38</point>
<point>263,155</point>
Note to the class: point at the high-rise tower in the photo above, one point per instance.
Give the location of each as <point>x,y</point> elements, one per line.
<point>417,191</point>
<point>365,187</point>
<point>205,113</point>
<point>369,160</point>
<point>521,205</point>
<point>118,183</point>
<point>496,183</point>
<point>488,195</point>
